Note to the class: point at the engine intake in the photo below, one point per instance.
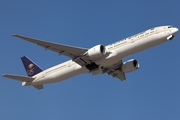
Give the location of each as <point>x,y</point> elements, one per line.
<point>130,65</point>
<point>96,51</point>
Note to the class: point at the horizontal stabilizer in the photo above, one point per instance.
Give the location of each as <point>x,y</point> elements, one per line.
<point>19,78</point>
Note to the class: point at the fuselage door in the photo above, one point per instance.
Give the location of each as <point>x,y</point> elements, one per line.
<point>69,64</point>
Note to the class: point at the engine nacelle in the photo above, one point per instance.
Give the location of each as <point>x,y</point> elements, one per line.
<point>130,65</point>
<point>96,51</point>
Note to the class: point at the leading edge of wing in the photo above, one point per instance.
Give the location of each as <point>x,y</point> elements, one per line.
<point>60,48</point>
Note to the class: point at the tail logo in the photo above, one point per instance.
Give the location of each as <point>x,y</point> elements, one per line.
<point>30,69</point>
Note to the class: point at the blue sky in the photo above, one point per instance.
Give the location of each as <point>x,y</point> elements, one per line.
<point>151,92</point>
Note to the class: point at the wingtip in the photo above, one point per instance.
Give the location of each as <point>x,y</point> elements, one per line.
<point>4,75</point>
<point>13,34</point>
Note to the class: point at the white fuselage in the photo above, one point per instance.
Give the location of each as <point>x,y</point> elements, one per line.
<point>118,50</point>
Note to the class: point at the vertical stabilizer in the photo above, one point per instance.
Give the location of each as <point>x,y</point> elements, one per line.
<point>30,67</point>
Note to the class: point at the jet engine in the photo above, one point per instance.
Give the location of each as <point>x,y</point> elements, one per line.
<point>96,51</point>
<point>130,65</point>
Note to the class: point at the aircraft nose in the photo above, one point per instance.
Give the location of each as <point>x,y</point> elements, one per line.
<point>174,30</point>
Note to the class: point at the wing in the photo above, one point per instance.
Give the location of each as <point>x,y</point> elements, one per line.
<point>70,51</point>
<point>118,74</point>
<point>115,71</point>
<point>77,54</point>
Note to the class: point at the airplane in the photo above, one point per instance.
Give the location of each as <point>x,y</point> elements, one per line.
<point>96,60</point>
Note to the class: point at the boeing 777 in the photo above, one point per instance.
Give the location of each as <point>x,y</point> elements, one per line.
<point>96,60</point>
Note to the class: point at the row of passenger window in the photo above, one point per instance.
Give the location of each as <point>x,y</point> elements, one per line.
<point>139,35</point>
<point>55,69</point>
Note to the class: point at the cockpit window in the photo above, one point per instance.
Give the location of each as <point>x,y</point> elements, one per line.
<point>152,28</point>
<point>170,26</point>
